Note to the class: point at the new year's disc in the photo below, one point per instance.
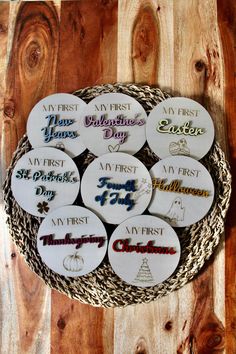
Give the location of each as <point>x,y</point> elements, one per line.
<point>54,122</point>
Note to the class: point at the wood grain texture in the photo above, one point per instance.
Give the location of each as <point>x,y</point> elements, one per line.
<point>199,66</point>
<point>145,33</point>
<point>145,46</point>
<point>198,73</point>
<point>8,305</point>
<point>30,76</point>
<point>78,328</point>
<point>88,42</point>
<point>159,327</point>
<point>207,332</point>
<point>4,19</point>
<point>160,331</point>
<point>227,25</point>
<point>31,73</point>
<point>186,48</point>
<point>93,27</point>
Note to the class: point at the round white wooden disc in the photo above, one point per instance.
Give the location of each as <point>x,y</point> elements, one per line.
<point>116,186</point>
<point>113,122</point>
<point>44,179</point>
<point>183,190</point>
<point>54,122</point>
<point>72,241</point>
<point>144,250</point>
<point>180,126</point>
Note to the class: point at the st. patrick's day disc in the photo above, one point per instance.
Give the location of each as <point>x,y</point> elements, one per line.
<point>44,179</point>
<point>72,241</point>
<point>144,250</point>
<point>116,186</point>
<point>180,126</point>
<point>54,122</point>
<point>183,190</point>
<point>113,122</point>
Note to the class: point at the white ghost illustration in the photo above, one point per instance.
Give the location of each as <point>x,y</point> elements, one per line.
<point>176,211</point>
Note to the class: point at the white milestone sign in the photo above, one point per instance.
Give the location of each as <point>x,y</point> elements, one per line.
<point>180,126</point>
<point>183,190</point>
<point>113,122</point>
<point>54,122</point>
<point>144,250</point>
<point>44,179</point>
<point>72,241</point>
<point>116,186</point>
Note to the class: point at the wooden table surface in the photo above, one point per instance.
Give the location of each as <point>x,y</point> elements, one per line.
<point>186,47</point>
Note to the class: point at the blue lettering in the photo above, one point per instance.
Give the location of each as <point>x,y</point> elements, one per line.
<point>128,186</point>
<point>50,133</point>
<point>102,198</point>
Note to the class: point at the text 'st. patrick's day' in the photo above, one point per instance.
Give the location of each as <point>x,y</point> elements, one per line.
<point>116,186</point>
<point>183,190</point>
<point>54,122</point>
<point>72,241</point>
<point>44,179</point>
<point>144,250</point>
<point>180,126</point>
<point>113,122</point>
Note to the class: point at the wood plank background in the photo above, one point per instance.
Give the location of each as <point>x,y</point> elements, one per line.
<point>186,47</point>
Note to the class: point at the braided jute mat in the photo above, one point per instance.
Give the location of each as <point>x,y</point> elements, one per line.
<point>103,287</point>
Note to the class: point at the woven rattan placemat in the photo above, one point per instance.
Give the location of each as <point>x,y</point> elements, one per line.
<point>103,287</point>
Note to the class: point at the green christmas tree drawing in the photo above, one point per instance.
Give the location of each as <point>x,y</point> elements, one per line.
<point>144,274</point>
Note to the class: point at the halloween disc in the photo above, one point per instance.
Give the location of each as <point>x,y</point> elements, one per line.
<point>72,241</point>
<point>183,190</point>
